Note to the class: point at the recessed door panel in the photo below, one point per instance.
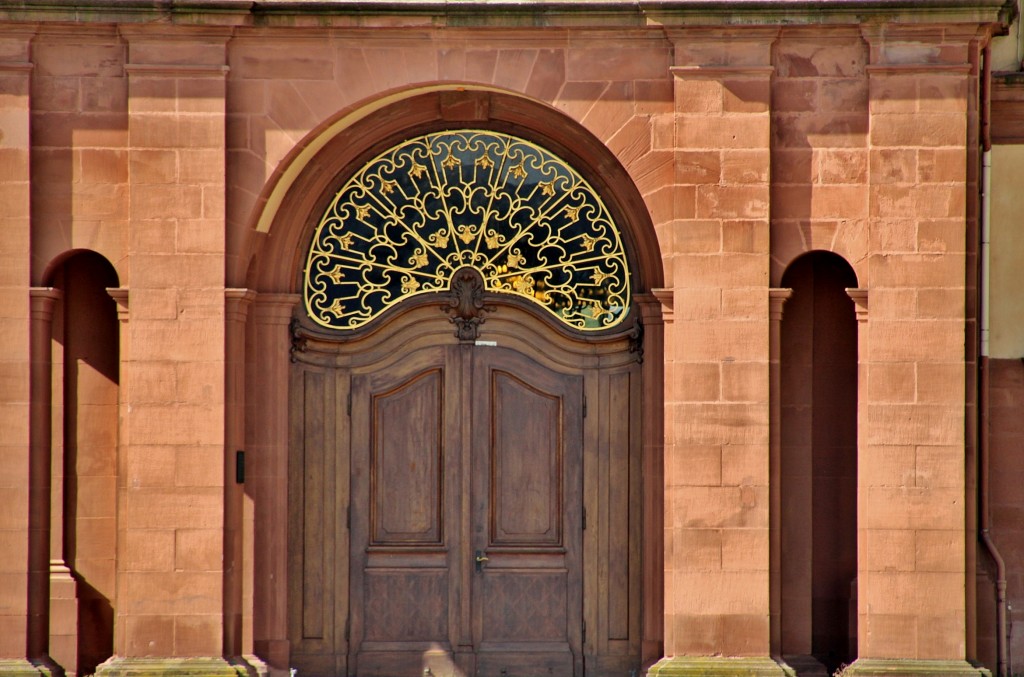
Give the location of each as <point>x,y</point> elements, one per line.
<point>406,605</point>
<point>525,606</point>
<point>526,464</point>
<point>314,557</point>
<point>407,462</point>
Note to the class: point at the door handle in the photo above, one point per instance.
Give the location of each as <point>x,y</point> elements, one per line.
<point>480,559</point>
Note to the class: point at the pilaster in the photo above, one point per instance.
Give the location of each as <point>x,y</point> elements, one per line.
<point>23,515</point>
<point>911,415</point>
<point>172,508</point>
<point>267,471</point>
<point>717,350</point>
<point>238,509</point>
<point>653,309</point>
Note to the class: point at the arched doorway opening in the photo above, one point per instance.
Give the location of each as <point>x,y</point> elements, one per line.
<point>410,446</point>
<point>819,465</point>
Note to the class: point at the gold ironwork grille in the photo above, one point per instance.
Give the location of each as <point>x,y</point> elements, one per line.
<point>518,214</point>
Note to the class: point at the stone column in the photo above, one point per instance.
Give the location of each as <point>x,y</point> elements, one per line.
<point>120,297</point>
<point>60,618</point>
<point>776,300</point>
<point>911,420</point>
<point>22,592</point>
<point>42,623</point>
<point>717,606</point>
<point>267,472</point>
<point>860,308</point>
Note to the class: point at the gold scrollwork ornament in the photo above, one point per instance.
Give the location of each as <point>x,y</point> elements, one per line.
<point>521,217</point>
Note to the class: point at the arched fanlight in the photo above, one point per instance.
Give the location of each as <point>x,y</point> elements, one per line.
<point>521,216</point>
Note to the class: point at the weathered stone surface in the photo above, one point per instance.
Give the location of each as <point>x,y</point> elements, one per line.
<point>169,667</point>
<point>167,141</point>
<point>26,668</point>
<point>685,666</point>
<point>876,667</point>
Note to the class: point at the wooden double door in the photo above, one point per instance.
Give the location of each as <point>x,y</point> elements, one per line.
<point>437,517</point>
<point>466,521</point>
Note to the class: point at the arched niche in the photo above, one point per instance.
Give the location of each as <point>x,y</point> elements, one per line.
<point>818,470</point>
<point>85,363</point>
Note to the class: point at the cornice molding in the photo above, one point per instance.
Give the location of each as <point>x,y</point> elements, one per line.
<point>918,68</point>
<point>77,33</point>
<point>16,66</point>
<point>176,32</point>
<point>175,69</point>
<point>721,72</point>
<point>170,15</point>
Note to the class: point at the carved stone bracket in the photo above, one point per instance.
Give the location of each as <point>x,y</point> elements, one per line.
<point>636,340</point>
<point>777,297</point>
<point>859,297</point>
<point>298,340</point>
<point>666,297</point>
<point>465,305</point>
<point>120,296</point>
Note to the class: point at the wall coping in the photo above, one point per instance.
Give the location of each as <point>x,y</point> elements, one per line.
<point>515,13</point>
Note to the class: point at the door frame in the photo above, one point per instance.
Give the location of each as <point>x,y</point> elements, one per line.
<point>612,373</point>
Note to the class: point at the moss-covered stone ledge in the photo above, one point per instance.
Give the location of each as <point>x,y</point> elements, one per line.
<point>707,666</point>
<point>169,667</point>
<point>19,667</point>
<point>898,667</point>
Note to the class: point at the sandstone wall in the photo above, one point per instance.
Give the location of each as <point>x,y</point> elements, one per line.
<point>168,148</point>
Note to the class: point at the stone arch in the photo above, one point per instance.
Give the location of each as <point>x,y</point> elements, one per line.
<point>793,239</point>
<point>306,180</point>
<point>53,267</point>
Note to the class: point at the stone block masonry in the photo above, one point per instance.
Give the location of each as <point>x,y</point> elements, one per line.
<point>195,150</point>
